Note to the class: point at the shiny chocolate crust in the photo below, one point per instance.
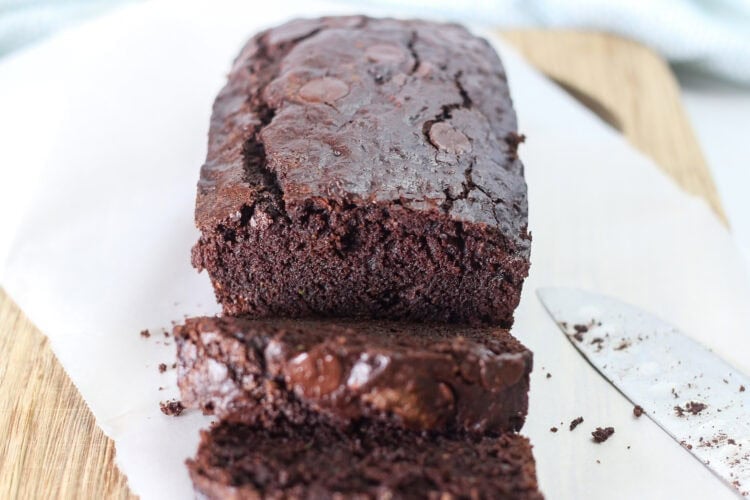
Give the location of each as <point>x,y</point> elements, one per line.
<point>320,462</point>
<point>416,376</point>
<point>363,167</point>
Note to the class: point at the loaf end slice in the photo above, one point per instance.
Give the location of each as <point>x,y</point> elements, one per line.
<point>319,462</point>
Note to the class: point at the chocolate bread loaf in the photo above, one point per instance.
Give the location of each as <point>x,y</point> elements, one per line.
<point>367,168</point>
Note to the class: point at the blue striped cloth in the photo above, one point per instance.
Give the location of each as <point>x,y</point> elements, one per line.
<point>25,21</point>
<point>709,35</point>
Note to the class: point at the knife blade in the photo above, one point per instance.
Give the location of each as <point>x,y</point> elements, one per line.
<point>690,392</point>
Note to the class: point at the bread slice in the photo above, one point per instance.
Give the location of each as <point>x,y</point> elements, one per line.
<point>288,461</point>
<point>415,376</point>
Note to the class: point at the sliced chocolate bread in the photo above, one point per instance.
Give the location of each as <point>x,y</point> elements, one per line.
<point>416,376</point>
<point>319,462</point>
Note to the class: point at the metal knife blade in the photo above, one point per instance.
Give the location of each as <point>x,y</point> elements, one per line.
<point>690,392</point>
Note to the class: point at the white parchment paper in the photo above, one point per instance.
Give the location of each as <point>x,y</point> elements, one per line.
<point>103,131</point>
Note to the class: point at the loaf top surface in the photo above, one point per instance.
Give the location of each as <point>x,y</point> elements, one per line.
<point>348,111</point>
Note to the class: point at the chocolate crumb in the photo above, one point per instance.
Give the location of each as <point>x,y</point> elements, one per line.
<point>623,345</point>
<point>174,365</point>
<point>691,407</point>
<point>598,342</point>
<point>162,367</point>
<point>598,462</point>
<point>145,334</point>
<point>674,393</point>
<point>628,446</point>
<point>161,388</point>
<point>166,333</point>
<point>553,429</point>
<point>579,331</point>
<point>731,441</point>
<point>513,140</point>
<point>171,408</point>
<point>602,434</point>
<point>686,445</point>
<point>576,422</point>
<point>637,411</point>
<point>694,407</point>
<point>549,375</point>
<point>742,388</point>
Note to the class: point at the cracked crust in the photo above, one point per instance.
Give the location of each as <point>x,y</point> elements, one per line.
<point>348,121</point>
<point>422,377</point>
<point>305,150</point>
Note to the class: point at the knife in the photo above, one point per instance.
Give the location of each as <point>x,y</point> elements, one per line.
<point>690,392</point>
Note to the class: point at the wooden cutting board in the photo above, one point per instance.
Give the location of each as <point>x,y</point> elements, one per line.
<point>51,447</point>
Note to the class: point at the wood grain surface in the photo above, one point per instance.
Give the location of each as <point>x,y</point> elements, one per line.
<point>51,447</point>
<point>630,87</point>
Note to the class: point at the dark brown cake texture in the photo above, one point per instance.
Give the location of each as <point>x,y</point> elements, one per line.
<point>320,462</point>
<point>365,168</point>
<point>417,376</point>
